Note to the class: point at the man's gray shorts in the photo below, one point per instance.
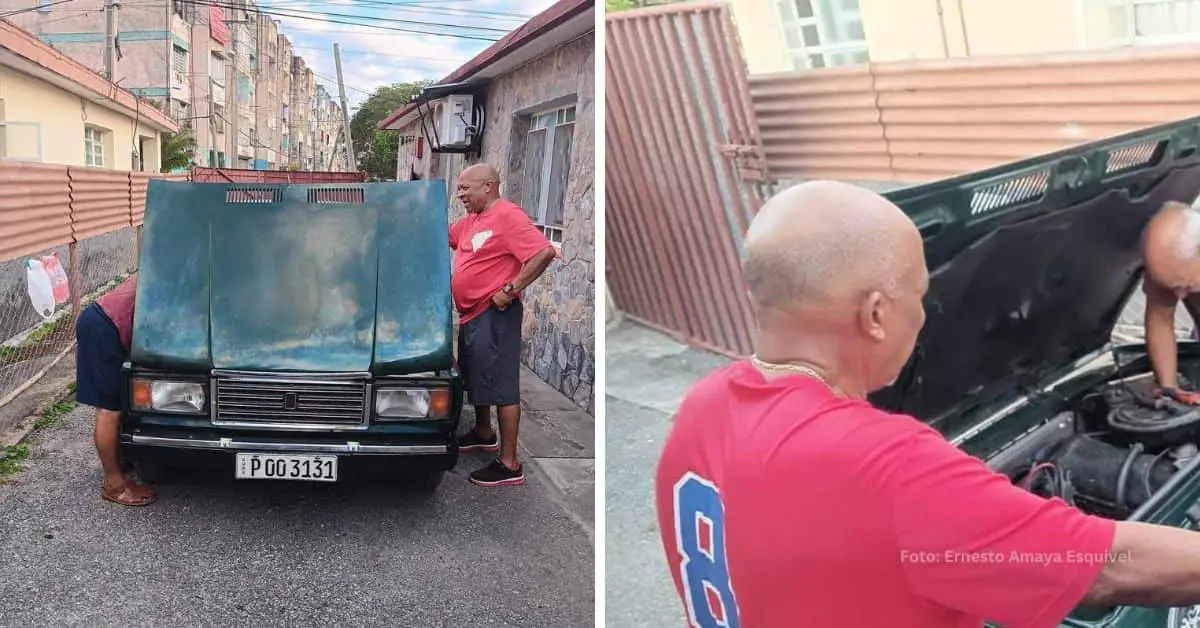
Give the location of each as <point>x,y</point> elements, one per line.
<point>489,356</point>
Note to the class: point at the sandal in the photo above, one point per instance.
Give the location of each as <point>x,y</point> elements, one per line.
<point>128,494</point>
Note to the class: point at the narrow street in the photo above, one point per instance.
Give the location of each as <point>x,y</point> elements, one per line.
<point>296,554</point>
<point>647,375</point>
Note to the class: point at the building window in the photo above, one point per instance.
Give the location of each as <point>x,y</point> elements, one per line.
<point>823,33</point>
<point>547,167</point>
<point>93,147</point>
<point>1146,22</point>
<point>216,69</point>
<point>179,61</point>
<point>180,111</point>
<point>44,6</point>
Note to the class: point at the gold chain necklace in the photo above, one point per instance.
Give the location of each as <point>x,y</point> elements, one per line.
<point>794,368</point>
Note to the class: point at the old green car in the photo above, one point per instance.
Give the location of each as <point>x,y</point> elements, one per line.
<point>1031,266</point>
<point>290,330</point>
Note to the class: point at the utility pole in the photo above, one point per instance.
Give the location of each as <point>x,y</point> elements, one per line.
<point>351,165</point>
<point>111,8</point>
<point>235,108</point>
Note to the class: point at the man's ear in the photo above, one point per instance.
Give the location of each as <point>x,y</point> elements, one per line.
<point>871,315</point>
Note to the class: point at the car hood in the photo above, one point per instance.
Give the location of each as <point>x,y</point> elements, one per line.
<point>294,278</point>
<point>1031,265</point>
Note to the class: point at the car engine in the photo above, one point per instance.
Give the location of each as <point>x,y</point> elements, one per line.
<point>1110,451</point>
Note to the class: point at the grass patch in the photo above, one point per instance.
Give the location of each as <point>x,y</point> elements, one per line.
<point>55,412</point>
<point>11,459</point>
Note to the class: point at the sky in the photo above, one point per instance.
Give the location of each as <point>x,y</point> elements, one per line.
<point>377,44</point>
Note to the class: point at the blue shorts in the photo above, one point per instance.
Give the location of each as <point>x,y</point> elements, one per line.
<point>98,360</point>
<point>489,356</point>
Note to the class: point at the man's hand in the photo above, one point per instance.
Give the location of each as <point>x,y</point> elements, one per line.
<point>501,300</point>
<point>1186,397</point>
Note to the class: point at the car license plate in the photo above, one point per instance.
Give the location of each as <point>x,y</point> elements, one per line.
<point>287,467</point>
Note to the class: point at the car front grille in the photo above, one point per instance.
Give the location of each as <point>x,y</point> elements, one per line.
<point>293,401</point>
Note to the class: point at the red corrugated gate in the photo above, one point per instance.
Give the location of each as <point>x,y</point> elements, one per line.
<point>684,172</point>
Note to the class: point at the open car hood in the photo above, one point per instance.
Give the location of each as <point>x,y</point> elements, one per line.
<point>1031,265</point>
<point>310,278</point>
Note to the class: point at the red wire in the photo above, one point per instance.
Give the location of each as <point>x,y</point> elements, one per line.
<point>1034,471</point>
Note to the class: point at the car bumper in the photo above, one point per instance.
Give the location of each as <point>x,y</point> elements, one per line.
<point>251,444</point>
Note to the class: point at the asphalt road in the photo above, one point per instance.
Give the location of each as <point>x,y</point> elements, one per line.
<point>219,552</point>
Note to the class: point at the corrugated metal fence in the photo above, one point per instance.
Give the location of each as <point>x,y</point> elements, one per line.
<point>922,121</point>
<point>82,220</point>
<point>683,172</point>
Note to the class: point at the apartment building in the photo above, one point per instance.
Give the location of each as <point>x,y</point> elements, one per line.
<point>225,72</point>
<point>789,35</point>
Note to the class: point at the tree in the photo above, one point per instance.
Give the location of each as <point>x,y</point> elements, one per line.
<point>612,6</point>
<point>375,150</point>
<point>176,150</point>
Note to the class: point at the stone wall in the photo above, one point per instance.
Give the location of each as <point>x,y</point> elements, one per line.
<point>559,333</point>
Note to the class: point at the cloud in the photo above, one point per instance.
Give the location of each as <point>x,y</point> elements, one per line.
<point>373,57</point>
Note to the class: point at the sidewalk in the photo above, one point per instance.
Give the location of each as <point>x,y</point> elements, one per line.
<point>559,439</point>
<point>647,376</point>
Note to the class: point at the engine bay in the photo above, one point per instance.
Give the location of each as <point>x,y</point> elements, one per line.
<point>1109,451</point>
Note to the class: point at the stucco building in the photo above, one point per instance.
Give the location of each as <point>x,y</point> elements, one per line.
<point>533,110</point>
<point>787,35</point>
<point>55,110</point>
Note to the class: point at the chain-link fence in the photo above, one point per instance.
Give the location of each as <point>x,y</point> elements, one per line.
<point>67,236</point>
<point>30,344</point>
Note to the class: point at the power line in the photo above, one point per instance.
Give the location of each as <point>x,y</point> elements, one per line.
<point>36,7</point>
<point>333,81</point>
<point>380,54</point>
<point>326,17</point>
<point>405,7</point>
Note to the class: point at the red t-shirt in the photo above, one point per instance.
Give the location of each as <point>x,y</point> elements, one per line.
<point>782,505</point>
<point>490,249</point>
<point>118,305</point>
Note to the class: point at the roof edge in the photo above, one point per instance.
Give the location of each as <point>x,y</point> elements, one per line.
<point>537,26</point>
<point>27,46</point>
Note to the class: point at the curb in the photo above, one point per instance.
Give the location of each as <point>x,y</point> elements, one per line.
<point>559,494</point>
<point>28,425</point>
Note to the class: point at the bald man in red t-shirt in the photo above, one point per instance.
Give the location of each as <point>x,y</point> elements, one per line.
<point>498,252</point>
<point>785,499</point>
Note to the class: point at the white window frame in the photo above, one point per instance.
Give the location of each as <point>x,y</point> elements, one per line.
<point>93,147</point>
<point>1130,37</point>
<point>832,44</point>
<point>554,120</point>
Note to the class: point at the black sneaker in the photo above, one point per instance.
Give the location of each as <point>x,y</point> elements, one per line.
<point>474,442</point>
<point>498,474</point>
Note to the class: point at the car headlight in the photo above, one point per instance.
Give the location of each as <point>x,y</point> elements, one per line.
<point>168,396</point>
<point>412,403</point>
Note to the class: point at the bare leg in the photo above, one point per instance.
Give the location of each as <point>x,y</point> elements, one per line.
<point>106,436</point>
<point>483,422</point>
<point>510,417</point>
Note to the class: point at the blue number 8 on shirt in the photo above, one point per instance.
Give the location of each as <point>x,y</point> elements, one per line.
<point>700,539</point>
